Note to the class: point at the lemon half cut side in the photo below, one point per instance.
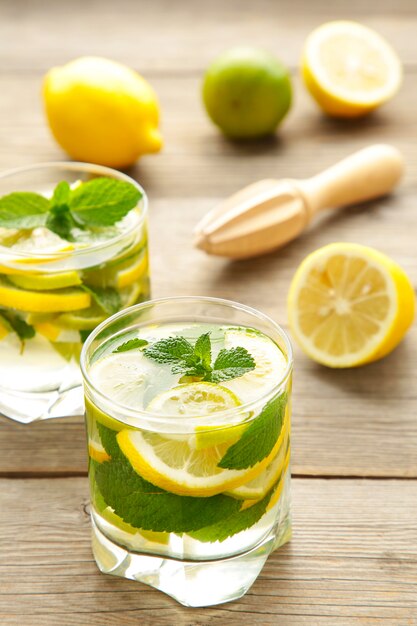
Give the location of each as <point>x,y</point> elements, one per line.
<point>349,69</point>
<point>349,305</point>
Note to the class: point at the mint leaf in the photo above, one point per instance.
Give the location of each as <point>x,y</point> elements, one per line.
<point>259,437</point>
<point>59,221</point>
<point>231,364</point>
<point>22,329</point>
<point>61,194</point>
<point>195,360</point>
<point>107,298</point>
<point>84,334</point>
<point>202,350</point>
<point>23,209</point>
<point>109,441</point>
<point>175,350</point>
<point>103,201</point>
<point>236,523</point>
<point>131,344</point>
<point>146,506</point>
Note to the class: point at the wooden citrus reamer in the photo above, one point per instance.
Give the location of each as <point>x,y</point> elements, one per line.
<point>268,214</point>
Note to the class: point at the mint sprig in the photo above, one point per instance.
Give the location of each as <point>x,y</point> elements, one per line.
<point>258,440</point>
<point>196,360</point>
<point>100,202</point>
<point>131,344</point>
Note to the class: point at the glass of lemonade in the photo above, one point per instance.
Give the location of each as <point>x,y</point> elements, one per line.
<point>188,425</point>
<point>66,263</point>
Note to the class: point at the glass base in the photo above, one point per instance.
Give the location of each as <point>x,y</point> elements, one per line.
<point>26,407</point>
<point>192,583</point>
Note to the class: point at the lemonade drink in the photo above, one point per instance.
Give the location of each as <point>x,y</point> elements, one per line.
<point>56,286</point>
<point>188,427</point>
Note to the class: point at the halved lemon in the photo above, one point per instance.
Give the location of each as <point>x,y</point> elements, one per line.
<point>42,301</point>
<point>44,282</point>
<point>349,69</point>
<point>349,305</point>
<point>270,363</point>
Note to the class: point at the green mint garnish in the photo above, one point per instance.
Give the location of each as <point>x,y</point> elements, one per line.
<point>236,523</point>
<point>107,298</point>
<point>195,360</point>
<point>259,438</point>
<point>23,209</point>
<point>131,344</point>
<point>97,203</point>
<point>146,506</point>
<point>22,329</point>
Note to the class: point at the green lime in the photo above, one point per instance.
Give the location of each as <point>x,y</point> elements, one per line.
<point>247,92</point>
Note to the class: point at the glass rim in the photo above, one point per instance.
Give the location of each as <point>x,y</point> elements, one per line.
<point>87,167</point>
<point>213,418</point>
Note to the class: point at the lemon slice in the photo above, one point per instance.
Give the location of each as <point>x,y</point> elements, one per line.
<point>174,463</point>
<point>124,376</point>
<point>278,490</point>
<point>176,466</point>
<point>133,272</point>
<point>349,69</point>
<point>200,398</point>
<point>349,304</point>
<point>44,282</point>
<point>257,488</point>
<point>270,363</point>
<point>55,333</point>
<point>42,301</point>
<point>40,240</point>
<point>86,319</point>
<point>129,295</point>
<point>96,449</point>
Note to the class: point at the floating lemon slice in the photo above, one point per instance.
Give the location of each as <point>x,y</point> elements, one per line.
<point>174,464</point>
<point>124,377</point>
<point>42,301</point>
<point>200,399</point>
<point>349,305</point>
<point>44,282</point>
<point>40,240</point>
<point>349,69</point>
<point>270,363</point>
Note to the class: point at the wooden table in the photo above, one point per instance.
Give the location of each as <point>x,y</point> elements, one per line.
<point>353,558</point>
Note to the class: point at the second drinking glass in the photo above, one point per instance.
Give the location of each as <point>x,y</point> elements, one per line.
<point>73,250</point>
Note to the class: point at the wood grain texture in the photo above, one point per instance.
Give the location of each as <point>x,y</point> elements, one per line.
<point>354,423</point>
<point>352,561</point>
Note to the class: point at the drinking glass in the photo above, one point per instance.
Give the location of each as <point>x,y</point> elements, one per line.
<point>201,547</point>
<point>47,308</point>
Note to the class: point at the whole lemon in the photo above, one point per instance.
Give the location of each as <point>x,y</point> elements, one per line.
<point>247,92</point>
<point>101,111</point>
